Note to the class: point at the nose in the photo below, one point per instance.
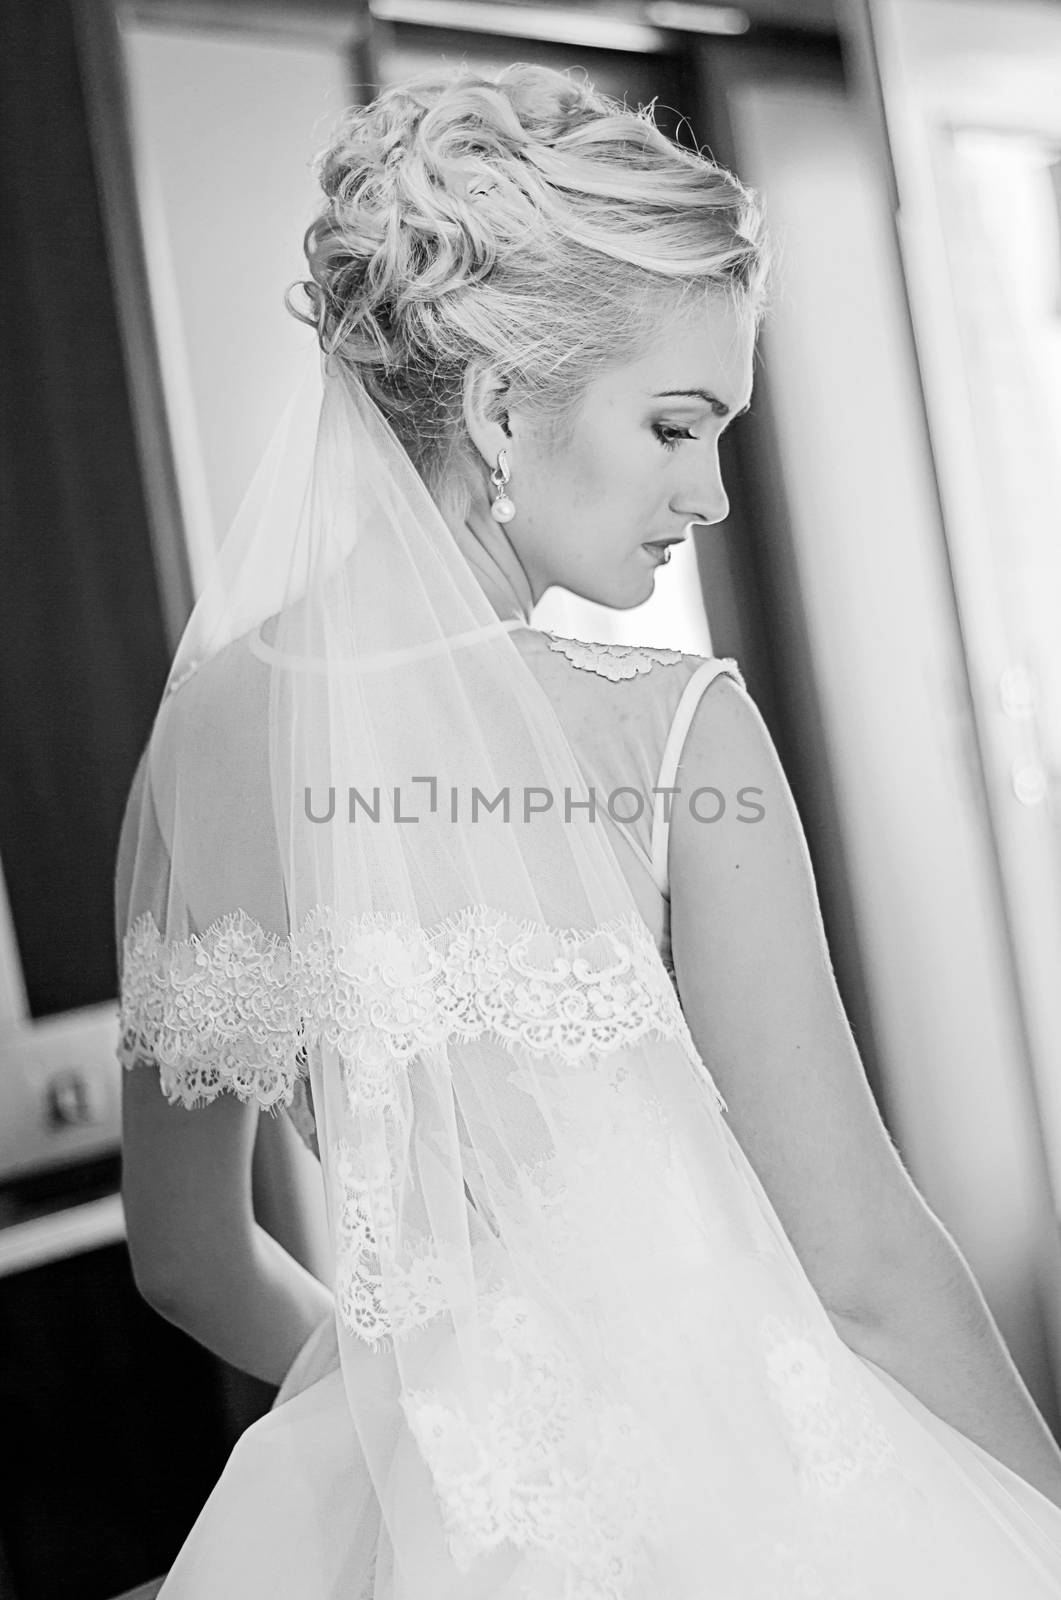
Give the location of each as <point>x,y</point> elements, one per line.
<point>703,497</point>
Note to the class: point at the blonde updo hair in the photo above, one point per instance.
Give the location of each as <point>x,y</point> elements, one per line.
<point>522,220</point>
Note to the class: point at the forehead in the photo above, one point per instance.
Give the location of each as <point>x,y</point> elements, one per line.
<point>712,348</point>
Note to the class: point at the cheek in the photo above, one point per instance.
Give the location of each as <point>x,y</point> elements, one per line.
<point>616,481</point>
<point>628,496</point>
<point>591,504</point>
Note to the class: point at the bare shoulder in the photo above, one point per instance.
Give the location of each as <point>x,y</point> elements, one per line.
<point>725,708</point>
<point>729,753</point>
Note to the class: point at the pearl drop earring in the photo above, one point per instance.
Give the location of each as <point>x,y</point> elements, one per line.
<point>502,509</point>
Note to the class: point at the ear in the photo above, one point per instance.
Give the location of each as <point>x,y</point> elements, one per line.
<point>485,416</point>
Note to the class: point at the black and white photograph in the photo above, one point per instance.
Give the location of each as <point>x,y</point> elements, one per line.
<point>530,800</point>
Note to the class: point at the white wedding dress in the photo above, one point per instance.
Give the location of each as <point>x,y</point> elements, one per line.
<point>829,1481</point>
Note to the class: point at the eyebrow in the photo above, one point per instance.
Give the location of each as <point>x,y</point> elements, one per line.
<point>721,409</point>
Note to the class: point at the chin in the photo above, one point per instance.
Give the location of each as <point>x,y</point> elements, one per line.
<point>646,593</point>
<point>632,593</point>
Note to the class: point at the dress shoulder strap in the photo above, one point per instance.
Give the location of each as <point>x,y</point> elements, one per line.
<point>684,711</point>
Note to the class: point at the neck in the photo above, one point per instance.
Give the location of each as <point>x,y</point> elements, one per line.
<point>489,553</point>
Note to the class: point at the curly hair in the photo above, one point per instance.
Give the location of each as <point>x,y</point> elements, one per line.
<point>522,220</point>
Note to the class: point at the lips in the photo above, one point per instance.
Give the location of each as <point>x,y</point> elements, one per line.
<point>661,549</point>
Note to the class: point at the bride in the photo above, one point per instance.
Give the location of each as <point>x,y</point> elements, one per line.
<point>633,1298</point>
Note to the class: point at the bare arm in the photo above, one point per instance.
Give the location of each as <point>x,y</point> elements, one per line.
<point>759,992</point>
<point>198,1255</point>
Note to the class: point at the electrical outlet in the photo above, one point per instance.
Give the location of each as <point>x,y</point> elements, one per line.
<point>60,1090</point>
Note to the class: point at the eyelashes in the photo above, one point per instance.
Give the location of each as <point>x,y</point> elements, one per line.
<point>670,437</point>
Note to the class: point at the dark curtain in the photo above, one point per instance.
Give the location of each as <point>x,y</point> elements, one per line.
<point>83,653</point>
<point>114,1425</point>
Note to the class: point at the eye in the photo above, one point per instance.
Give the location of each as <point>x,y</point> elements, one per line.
<point>670,437</point>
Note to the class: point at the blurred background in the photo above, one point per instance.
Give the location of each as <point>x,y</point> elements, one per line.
<point>889,579</point>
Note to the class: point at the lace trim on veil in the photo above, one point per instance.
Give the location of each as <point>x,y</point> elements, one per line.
<point>235,1008</point>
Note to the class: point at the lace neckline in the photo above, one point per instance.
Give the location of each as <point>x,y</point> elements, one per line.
<point>613,661</point>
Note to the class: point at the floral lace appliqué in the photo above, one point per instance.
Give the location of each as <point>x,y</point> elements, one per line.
<point>613,661</point>
<point>833,1432</point>
<point>214,1013</point>
<point>374,1306</point>
<point>237,1008</point>
<point>552,1466</point>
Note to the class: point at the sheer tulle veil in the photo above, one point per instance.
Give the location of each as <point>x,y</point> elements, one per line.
<point>359,864</point>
